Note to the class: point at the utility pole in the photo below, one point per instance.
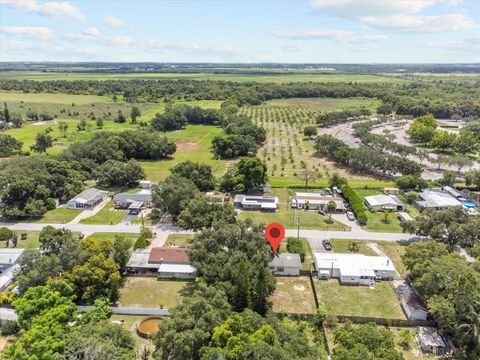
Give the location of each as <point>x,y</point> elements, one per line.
<point>298,227</point>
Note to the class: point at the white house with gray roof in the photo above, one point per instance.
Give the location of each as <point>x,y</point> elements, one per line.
<point>432,199</point>
<point>9,265</point>
<point>87,199</point>
<point>285,264</point>
<point>383,202</point>
<point>125,200</point>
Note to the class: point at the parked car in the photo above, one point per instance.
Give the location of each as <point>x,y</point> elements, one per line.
<point>350,216</point>
<point>327,244</point>
<point>328,191</point>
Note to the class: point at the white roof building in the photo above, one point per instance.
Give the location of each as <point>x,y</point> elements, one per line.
<point>383,202</point>
<point>88,198</point>
<point>353,268</point>
<point>437,200</point>
<point>251,202</point>
<point>315,200</point>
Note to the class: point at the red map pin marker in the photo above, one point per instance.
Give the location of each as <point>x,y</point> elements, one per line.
<point>274,233</point>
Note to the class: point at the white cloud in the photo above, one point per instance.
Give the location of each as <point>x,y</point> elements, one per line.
<point>340,36</point>
<point>36,32</point>
<point>398,15</point>
<point>51,9</point>
<point>118,40</point>
<point>469,45</point>
<point>115,22</point>
<point>292,47</point>
<point>92,31</point>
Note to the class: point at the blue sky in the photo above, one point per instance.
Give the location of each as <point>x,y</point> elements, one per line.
<point>317,31</point>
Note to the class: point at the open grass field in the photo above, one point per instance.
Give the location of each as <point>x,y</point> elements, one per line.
<point>293,295</point>
<point>148,292</point>
<point>359,300</point>
<point>287,216</point>
<point>287,152</point>
<point>31,242</point>
<point>106,216</point>
<point>112,236</point>
<point>48,98</point>
<point>178,239</point>
<point>59,215</point>
<point>193,143</point>
<point>341,246</point>
<point>238,77</point>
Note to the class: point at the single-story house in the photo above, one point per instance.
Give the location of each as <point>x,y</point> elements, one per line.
<point>316,201</point>
<point>9,265</point>
<point>87,199</point>
<point>216,198</point>
<point>383,202</point>
<point>430,341</point>
<point>285,264</point>
<point>391,190</point>
<point>166,262</point>
<point>433,199</point>
<point>133,202</point>
<point>412,305</point>
<point>403,216</point>
<point>353,269</point>
<point>251,202</point>
<point>451,191</point>
<point>146,184</point>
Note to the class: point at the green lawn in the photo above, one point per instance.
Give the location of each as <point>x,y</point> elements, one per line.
<point>31,242</point>
<point>341,246</point>
<point>111,236</point>
<point>287,216</point>
<point>394,251</point>
<point>57,216</point>
<point>376,221</point>
<point>106,216</point>
<point>359,300</point>
<point>148,292</point>
<point>193,143</point>
<point>293,295</point>
<point>178,239</point>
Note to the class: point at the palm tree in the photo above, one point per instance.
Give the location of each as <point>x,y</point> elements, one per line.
<point>469,329</point>
<point>354,247</point>
<point>331,207</point>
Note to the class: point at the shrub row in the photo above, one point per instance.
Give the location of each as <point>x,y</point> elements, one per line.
<point>295,246</point>
<point>355,203</point>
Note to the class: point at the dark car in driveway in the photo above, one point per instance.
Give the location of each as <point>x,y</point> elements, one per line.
<point>327,244</point>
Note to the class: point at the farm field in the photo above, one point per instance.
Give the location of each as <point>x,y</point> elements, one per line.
<point>193,143</point>
<point>107,216</point>
<point>293,295</point>
<point>287,216</point>
<point>359,300</point>
<point>53,98</point>
<point>148,292</point>
<point>326,103</point>
<point>278,78</point>
<point>287,152</point>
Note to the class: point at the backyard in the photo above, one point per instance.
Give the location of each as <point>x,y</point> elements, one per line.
<point>380,301</point>
<point>148,292</point>
<point>288,217</point>
<point>179,239</point>
<point>293,295</point>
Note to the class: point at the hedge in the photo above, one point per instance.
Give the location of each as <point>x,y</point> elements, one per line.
<point>295,246</point>
<point>355,203</point>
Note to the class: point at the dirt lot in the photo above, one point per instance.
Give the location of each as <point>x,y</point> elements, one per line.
<point>186,145</point>
<point>293,295</point>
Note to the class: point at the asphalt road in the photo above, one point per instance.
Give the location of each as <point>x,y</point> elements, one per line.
<point>124,228</point>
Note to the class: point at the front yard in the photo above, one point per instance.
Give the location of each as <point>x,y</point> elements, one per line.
<point>60,215</point>
<point>178,239</point>
<point>148,292</point>
<point>293,295</point>
<point>379,302</point>
<point>288,217</point>
<point>106,216</point>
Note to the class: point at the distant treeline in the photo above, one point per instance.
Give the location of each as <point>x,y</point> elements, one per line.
<point>416,99</point>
